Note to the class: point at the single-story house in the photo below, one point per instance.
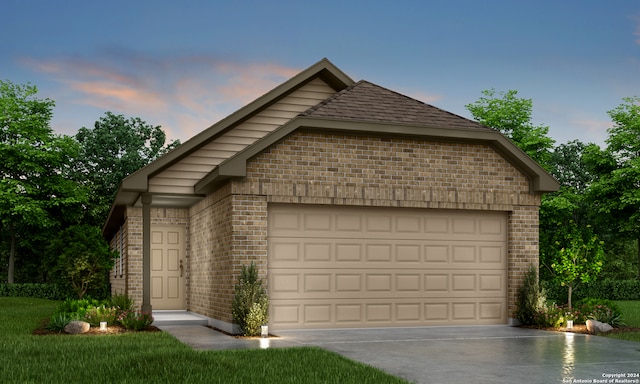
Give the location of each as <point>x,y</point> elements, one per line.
<point>361,207</point>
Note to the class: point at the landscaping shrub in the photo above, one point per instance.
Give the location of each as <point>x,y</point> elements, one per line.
<point>249,291</point>
<point>602,289</point>
<point>40,291</point>
<point>529,297</point>
<point>122,302</point>
<point>550,315</point>
<point>605,311</point>
<point>96,315</point>
<point>79,308</point>
<point>135,320</point>
<point>59,321</point>
<point>257,317</point>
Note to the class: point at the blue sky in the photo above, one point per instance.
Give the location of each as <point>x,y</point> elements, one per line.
<point>186,64</point>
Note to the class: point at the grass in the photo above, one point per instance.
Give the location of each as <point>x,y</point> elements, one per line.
<point>153,357</point>
<point>631,317</point>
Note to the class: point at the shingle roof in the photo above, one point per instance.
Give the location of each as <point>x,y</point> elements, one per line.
<point>365,101</point>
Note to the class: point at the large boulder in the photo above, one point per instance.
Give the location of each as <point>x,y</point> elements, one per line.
<point>77,327</point>
<point>595,327</point>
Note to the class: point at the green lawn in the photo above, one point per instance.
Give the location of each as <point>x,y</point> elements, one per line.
<point>631,316</point>
<point>153,357</point>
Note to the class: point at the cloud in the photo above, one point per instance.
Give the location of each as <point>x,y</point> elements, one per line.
<point>422,96</point>
<point>184,94</point>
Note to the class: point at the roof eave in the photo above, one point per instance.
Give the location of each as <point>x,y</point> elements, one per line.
<point>540,180</point>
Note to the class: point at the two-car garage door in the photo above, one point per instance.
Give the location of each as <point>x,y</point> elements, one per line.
<point>340,267</point>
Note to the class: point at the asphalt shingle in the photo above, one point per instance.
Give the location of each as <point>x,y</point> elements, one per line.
<point>368,102</point>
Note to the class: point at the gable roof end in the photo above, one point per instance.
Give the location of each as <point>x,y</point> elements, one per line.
<point>366,108</point>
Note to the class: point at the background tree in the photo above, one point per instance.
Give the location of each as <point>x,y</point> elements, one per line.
<point>511,115</point>
<point>80,261</point>
<point>567,205</point>
<point>616,192</point>
<point>115,148</point>
<point>579,258</point>
<point>34,168</point>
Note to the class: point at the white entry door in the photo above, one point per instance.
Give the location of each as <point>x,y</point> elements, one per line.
<point>167,267</point>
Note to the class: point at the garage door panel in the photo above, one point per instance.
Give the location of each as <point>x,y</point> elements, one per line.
<point>292,252</point>
<point>371,283</point>
<point>358,267</point>
<point>345,313</point>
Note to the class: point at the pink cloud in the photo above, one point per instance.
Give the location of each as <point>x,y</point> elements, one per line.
<point>424,97</point>
<point>184,95</point>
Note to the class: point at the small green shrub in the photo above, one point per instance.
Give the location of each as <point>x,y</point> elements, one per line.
<point>59,321</point>
<point>529,297</point>
<point>257,317</point>
<point>249,291</point>
<point>122,302</point>
<point>96,315</point>
<point>550,316</point>
<point>135,320</point>
<point>605,311</point>
<point>79,307</point>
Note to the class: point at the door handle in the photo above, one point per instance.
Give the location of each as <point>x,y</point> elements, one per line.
<point>181,268</point>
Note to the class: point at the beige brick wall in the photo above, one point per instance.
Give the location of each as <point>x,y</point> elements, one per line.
<point>315,168</point>
<point>229,226</point>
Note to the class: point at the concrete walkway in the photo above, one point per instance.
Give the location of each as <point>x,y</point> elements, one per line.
<point>480,354</point>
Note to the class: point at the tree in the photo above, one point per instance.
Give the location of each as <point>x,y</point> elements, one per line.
<point>80,260</point>
<point>511,115</point>
<point>34,167</point>
<point>616,193</point>
<point>115,148</point>
<point>568,204</point>
<point>579,258</point>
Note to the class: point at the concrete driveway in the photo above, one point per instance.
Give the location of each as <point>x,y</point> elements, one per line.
<point>482,354</point>
<point>478,354</point>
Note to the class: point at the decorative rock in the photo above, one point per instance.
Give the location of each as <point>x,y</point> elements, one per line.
<point>595,327</point>
<point>77,327</point>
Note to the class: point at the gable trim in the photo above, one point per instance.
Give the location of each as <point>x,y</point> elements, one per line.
<point>540,180</point>
<point>323,69</point>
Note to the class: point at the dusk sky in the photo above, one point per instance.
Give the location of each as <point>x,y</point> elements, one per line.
<point>184,65</point>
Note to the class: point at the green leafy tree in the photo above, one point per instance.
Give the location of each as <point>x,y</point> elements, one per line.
<point>80,260</point>
<point>34,168</point>
<point>568,204</point>
<point>115,148</point>
<point>511,115</point>
<point>579,258</point>
<point>616,192</point>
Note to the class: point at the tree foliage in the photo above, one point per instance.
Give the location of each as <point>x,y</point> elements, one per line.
<point>35,167</point>
<point>80,260</point>
<point>511,115</point>
<point>115,148</point>
<point>616,192</point>
<point>578,259</point>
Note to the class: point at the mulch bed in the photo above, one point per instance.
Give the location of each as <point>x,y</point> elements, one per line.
<point>95,331</point>
<point>582,328</point>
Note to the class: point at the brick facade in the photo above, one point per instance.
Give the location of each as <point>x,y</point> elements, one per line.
<point>228,228</point>
<point>314,168</point>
